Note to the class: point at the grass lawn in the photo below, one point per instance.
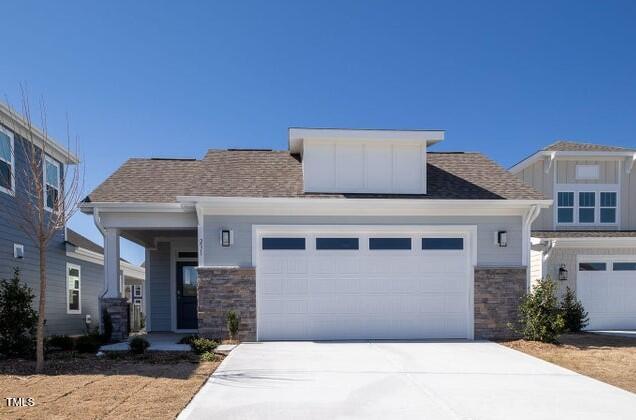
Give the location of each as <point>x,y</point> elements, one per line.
<point>606,358</point>
<point>155,386</point>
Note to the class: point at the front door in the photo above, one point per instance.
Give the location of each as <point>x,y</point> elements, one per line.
<point>187,295</point>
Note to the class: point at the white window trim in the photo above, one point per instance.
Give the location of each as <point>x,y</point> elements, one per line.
<point>12,163</point>
<point>55,163</point>
<point>600,207</point>
<point>137,288</point>
<point>70,266</point>
<point>597,190</point>
<point>573,207</point>
<point>578,207</point>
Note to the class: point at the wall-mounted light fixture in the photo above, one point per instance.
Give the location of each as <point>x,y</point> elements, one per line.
<point>227,237</point>
<point>18,251</point>
<point>563,273</point>
<point>501,238</point>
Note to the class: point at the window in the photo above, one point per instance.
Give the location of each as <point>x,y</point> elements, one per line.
<point>283,243</point>
<point>592,266</point>
<point>565,207</point>
<point>389,243</point>
<point>337,243</point>
<point>625,266</point>
<point>608,207</point>
<point>137,292</point>
<point>7,167</point>
<point>587,171</point>
<point>73,283</point>
<point>587,205</point>
<point>442,243</point>
<point>52,182</point>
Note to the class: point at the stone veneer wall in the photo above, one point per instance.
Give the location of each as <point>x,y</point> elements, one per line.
<point>221,289</point>
<point>118,310</point>
<point>497,295</point>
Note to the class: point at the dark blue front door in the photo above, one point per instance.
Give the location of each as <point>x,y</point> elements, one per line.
<point>187,295</point>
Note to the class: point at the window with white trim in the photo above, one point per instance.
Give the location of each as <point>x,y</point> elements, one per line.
<point>137,290</point>
<point>73,289</point>
<point>608,207</point>
<point>565,207</point>
<point>587,207</point>
<point>51,182</point>
<point>7,161</point>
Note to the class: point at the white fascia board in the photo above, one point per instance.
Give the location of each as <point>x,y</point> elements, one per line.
<point>83,254</point>
<point>569,156</point>
<point>298,135</point>
<point>20,125</point>
<point>592,242</point>
<point>339,206</point>
<point>112,207</point>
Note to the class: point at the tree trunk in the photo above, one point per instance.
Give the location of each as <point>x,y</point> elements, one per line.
<point>39,345</point>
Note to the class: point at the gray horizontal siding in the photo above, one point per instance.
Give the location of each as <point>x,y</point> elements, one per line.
<point>240,253</point>
<point>158,285</point>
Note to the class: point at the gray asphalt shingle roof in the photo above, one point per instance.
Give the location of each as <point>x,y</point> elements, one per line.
<point>572,146</point>
<point>254,173</point>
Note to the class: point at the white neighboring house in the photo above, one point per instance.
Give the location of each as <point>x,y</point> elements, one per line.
<point>587,240</point>
<point>348,234</point>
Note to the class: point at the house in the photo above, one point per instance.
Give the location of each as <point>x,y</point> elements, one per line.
<point>587,240</point>
<point>348,234</point>
<point>87,258</point>
<point>75,278</point>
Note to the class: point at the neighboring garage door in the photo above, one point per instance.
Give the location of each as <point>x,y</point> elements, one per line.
<point>607,288</point>
<point>330,284</point>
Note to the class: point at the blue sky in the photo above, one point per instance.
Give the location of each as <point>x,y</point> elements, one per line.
<point>142,79</point>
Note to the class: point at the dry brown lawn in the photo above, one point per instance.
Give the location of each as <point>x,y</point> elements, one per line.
<point>149,387</point>
<point>606,358</point>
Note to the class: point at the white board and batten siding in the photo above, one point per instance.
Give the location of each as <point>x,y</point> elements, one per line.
<point>364,167</point>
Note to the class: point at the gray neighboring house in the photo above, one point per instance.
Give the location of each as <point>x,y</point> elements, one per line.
<point>75,275</point>
<point>587,239</point>
<point>348,234</point>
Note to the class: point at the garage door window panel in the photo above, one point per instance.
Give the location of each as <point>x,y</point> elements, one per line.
<point>443,244</point>
<point>593,266</point>
<point>337,244</point>
<point>624,266</point>
<point>394,244</point>
<point>283,244</point>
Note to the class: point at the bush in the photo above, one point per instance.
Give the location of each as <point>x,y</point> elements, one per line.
<point>188,339</point>
<point>573,312</point>
<point>108,326</point>
<point>233,320</point>
<point>88,343</point>
<point>540,317</point>
<point>18,319</point>
<point>62,342</point>
<point>138,345</point>
<point>209,357</point>
<point>203,345</point>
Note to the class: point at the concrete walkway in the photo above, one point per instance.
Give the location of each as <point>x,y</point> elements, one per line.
<point>416,380</point>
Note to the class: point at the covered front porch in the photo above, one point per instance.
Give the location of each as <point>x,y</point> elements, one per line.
<point>169,236</point>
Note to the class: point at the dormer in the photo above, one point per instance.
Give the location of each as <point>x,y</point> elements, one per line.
<point>363,161</point>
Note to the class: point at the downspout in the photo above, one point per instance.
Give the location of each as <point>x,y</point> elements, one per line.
<point>530,217</point>
<point>98,224</point>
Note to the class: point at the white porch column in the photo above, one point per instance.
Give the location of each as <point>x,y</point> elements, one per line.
<point>111,263</point>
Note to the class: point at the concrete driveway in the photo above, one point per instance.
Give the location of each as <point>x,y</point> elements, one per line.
<point>415,380</point>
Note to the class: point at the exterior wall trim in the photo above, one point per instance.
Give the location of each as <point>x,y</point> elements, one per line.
<point>79,269</point>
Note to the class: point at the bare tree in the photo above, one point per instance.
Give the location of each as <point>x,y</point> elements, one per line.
<point>43,204</point>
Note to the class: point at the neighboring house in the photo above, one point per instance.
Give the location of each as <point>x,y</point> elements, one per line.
<point>87,259</point>
<point>75,277</point>
<point>587,240</point>
<point>349,234</point>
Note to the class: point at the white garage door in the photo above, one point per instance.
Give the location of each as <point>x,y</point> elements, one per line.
<point>331,284</point>
<point>607,288</point>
